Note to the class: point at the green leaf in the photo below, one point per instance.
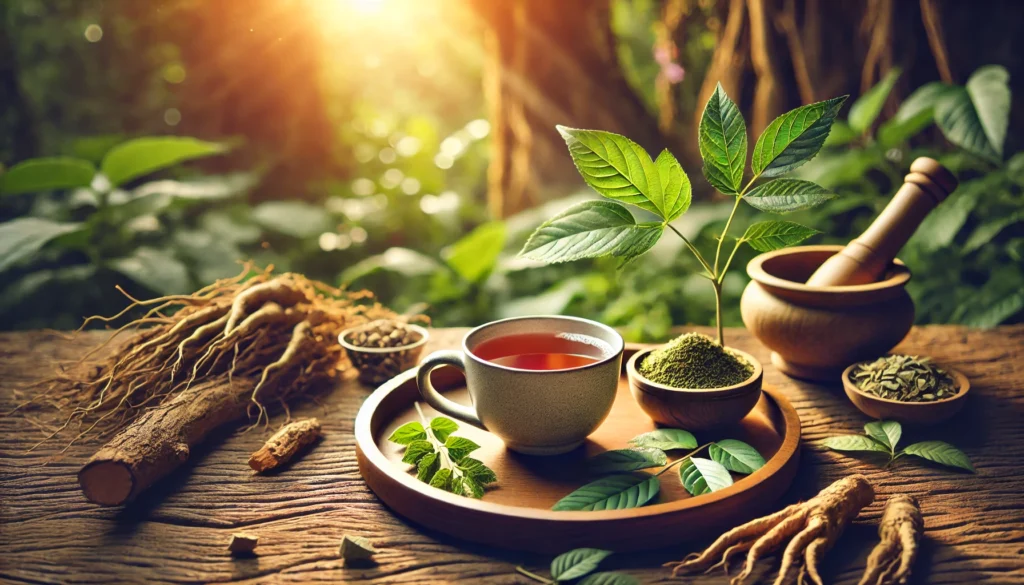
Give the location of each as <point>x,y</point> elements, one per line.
<point>923,99</point>
<point>989,88</point>
<point>142,156</point>
<point>459,447</point>
<point>474,256</point>
<point>615,492</point>
<point>786,195</point>
<point>960,124</point>
<point>736,456</point>
<point>723,143</point>
<point>21,238</point>
<point>442,479</point>
<point>407,433</point>
<point>766,236</point>
<point>417,450</point>
<point>609,578</point>
<point>626,460</point>
<point>865,110</point>
<point>984,233</point>
<point>293,218</point>
<point>202,189</point>
<point>577,563</point>
<point>942,453</point>
<point>442,427</point>
<point>895,132</point>
<point>477,470</point>
<point>854,443</point>
<point>674,180</point>
<point>703,476</point>
<point>997,312</point>
<point>467,486</point>
<point>155,269</point>
<point>591,229</point>
<point>46,174</point>
<point>886,432</point>
<point>665,439</point>
<point>621,169</point>
<point>427,467</point>
<point>406,262</point>
<point>794,137</point>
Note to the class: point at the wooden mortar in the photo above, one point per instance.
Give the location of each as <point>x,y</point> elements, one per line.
<point>816,332</point>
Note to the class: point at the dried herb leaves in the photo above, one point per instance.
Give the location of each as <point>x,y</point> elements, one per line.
<point>906,378</point>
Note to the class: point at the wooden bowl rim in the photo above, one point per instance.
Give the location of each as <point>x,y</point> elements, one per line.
<point>424,336</point>
<point>366,448</point>
<point>963,383</point>
<point>633,372</point>
<point>755,269</point>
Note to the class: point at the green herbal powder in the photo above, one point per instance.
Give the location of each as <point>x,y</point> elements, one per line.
<point>695,361</point>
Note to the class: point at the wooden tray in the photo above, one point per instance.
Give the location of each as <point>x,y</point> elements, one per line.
<point>517,514</point>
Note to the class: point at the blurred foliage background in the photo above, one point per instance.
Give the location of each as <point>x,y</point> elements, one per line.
<point>408,146</point>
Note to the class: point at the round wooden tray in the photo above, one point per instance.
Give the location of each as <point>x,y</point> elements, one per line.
<point>516,511</point>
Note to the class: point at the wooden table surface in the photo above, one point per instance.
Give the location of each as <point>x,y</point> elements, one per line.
<point>178,531</point>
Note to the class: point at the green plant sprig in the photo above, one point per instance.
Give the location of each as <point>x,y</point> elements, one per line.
<point>442,459</point>
<point>627,487</point>
<point>622,171</point>
<point>580,564</point>
<point>884,436</point>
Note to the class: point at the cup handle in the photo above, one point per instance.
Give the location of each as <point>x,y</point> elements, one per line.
<point>434,398</point>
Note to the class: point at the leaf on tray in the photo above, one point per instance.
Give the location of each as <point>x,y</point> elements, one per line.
<point>627,460</point>
<point>736,456</point>
<point>665,439</point>
<point>407,433</point>
<point>703,476</point>
<point>615,492</point>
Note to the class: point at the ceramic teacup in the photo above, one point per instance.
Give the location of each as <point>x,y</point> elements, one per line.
<point>537,412</point>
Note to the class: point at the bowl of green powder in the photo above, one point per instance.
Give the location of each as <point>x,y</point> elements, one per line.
<point>694,383</point>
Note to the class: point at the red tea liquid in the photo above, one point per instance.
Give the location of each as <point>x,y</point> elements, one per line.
<point>543,351</point>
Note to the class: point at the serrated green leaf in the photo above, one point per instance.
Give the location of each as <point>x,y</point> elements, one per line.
<point>865,110</point>
<point>674,180</point>
<point>626,460</point>
<point>591,229</point>
<point>46,174</point>
<point>416,450</point>
<point>736,456</point>
<point>609,578</point>
<point>942,453</point>
<point>477,470</point>
<point>794,137</point>
<point>474,256</point>
<point>854,443</point>
<point>21,238</point>
<point>786,195</point>
<point>620,169</point>
<point>615,492</point>
<point>886,432</point>
<point>427,467</point>
<point>766,236</point>
<point>703,476</point>
<point>467,486</point>
<point>459,447</point>
<point>577,563</point>
<point>142,156</point>
<point>407,433</point>
<point>666,439</point>
<point>442,427</point>
<point>442,479</point>
<point>723,143</point>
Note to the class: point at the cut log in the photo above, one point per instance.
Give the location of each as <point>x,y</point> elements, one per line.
<point>160,440</point>
<point>284,444</point>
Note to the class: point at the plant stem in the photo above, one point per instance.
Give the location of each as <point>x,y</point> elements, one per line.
<point>700,258</point>
<point>533,576</point>
<point>725,232</point>
<point>721,277</point>
<point>718,311</point>
<point>682,459</point>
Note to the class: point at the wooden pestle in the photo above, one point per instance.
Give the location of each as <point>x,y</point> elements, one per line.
<point>866,259</point>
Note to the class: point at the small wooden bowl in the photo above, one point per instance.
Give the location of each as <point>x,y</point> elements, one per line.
<point>694,409</point>
<point>377,365</point>
<point>919,413</point>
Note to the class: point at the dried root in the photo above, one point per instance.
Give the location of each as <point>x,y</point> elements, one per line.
<point>810,528</point>
<point>284,444</point>
<point>900,529</point>
<point>280,330</point>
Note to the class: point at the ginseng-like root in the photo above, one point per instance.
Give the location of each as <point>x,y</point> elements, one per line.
<point>807,530</point>
<point>900,529</point>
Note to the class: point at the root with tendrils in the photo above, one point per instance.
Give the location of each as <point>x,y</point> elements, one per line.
<point>900,529</point>
<point>810,528</point>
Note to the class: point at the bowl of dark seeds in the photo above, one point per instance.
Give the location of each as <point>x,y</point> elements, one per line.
<point>382,349</point>
<point>906,388</point>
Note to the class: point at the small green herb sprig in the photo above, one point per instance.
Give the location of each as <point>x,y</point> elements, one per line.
<point>623,172</point>
<point>883,436</point>
<point>441,459</point>
<point>629,488</point>
<point>580,564</point>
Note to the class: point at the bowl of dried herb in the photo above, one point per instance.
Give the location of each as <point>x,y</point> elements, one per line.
<point>695,383</point>
<point>906,388</point>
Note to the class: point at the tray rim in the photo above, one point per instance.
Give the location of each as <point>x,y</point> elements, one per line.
<point>368,453</point>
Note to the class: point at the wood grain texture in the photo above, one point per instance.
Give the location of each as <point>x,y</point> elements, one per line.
<point>179,530</point>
